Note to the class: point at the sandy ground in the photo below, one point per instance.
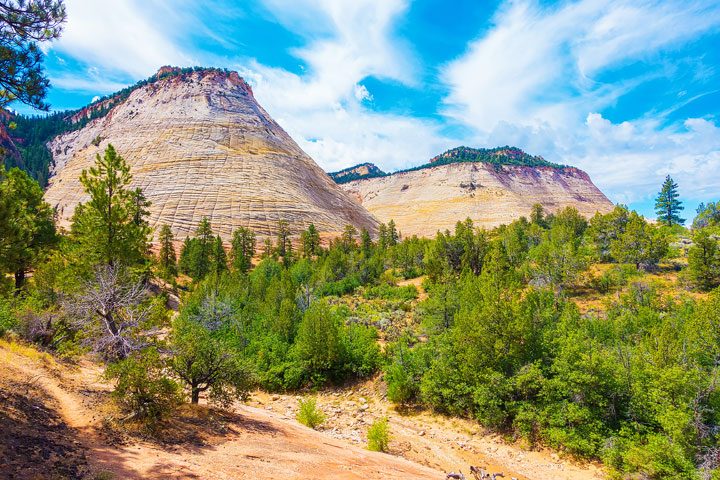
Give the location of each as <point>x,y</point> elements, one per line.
<point>249,443</point>
<point>261,439</point>
<point>442,443</point>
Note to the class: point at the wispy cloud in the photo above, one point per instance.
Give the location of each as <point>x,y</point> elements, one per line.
<point>323,107</point>
<point>127,36</point>
<point>538,78</point>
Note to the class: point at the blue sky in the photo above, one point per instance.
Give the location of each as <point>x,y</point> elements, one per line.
<point>627,90</point>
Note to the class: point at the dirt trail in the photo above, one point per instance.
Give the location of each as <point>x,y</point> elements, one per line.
<point>248,444</point>
<point>443,443</point>
<point>263,439</point>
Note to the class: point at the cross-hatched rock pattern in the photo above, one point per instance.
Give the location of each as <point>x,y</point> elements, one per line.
<point>423,201</point>
<point>199,145</point>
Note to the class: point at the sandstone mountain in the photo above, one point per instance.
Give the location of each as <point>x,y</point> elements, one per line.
<point>490,186</point>
<point>199,144</point>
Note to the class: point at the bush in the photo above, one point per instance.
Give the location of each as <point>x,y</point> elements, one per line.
<point>7,317</point>
<point>615,276</point>
<point>309,415</point>
<point>361,350</point>
<point>389,292</point>
<point>379,435</point>
<point>339,288</point>
<point>142,389</point>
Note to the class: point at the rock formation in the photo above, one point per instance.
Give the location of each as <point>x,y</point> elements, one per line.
<point>198,144</point>
<point>434,197</point>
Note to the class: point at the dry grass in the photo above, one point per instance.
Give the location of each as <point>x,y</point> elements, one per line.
<point>9,347</point>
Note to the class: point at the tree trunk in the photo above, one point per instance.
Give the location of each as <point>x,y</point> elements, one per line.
<point>195,395</point>
<point>19,280</point>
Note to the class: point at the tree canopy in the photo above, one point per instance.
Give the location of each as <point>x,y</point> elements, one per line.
<point>24,24</point>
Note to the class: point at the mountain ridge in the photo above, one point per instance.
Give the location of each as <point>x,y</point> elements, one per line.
<point>422,201</point>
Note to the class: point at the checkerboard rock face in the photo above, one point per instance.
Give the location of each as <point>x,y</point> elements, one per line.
<point>199,145</point>
<point>423,201</point>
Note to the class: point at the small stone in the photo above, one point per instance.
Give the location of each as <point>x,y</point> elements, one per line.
<point>422,433</point>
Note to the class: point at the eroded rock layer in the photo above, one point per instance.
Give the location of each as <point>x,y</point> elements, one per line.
<point>198,144</point>
<point>426,200</point>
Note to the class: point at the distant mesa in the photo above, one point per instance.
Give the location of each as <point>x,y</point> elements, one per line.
<point>491,186</point>
<point>358,172</point>
<point>199,145</point>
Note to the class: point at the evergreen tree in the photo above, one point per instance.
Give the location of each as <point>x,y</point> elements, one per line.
<point>243,249</point>
<point>23,25</point>
<point>393,236</point>
<point>348,238</point>
<point>166,255</point>
<point>218,257</point>
<point>707,215</point>
<point>704,261</point>
<point>667,205</point>
<point>366,243</point>
<point>383,236</point>
<point>310,240</point>
<point>26,224</point>
<point>111,228</point>
<point>268,248</point>
<point>196,258</point>
<point>185,254</point>
<point>640,244</point>
<point>283,245</point>
<point>537,215</point>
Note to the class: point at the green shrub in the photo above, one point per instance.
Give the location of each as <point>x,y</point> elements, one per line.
<point>616,276</point>
<point>142,389</point>
<point>341,287</point>
<point>8,321</point>
<point>389,292</point>
<point>309,415</point>
<point>379,435</point>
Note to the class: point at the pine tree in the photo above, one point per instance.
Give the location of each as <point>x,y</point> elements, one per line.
<point>111,228</point>
<point>366,243</point>
<point>704,261</point>
<point>667,205</point>
<point>348,238</point>
<point>166,255</point>
<point>640,244</point>
<point>283,239</point>
<point>24,25</point>
<point>310,240</point>
<point>268,248</point>
<point>218,257</point>
<point>243,249</point>
<point>26,224</point>
<point>393,236</point>
<point>196,257</point>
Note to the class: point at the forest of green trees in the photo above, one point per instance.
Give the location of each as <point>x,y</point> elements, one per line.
<point>498,339</point>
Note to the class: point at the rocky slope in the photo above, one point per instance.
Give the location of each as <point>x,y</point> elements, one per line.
<point>198,144</point>
<point>435,196</point>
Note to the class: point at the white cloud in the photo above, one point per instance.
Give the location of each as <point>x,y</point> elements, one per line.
<point>362,93</point>
<point>322,108</point>
<point>83,83</point>
<point>125,36</point>
<point>532,80</point>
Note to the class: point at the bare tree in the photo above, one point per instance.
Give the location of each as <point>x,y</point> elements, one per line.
<point>109,311</point>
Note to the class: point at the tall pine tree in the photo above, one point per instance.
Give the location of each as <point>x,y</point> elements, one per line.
<point>166,255</point>
<point>26,224</point>
<point>243,249</point>
<point>111,227</point>
<point>667,205</point>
